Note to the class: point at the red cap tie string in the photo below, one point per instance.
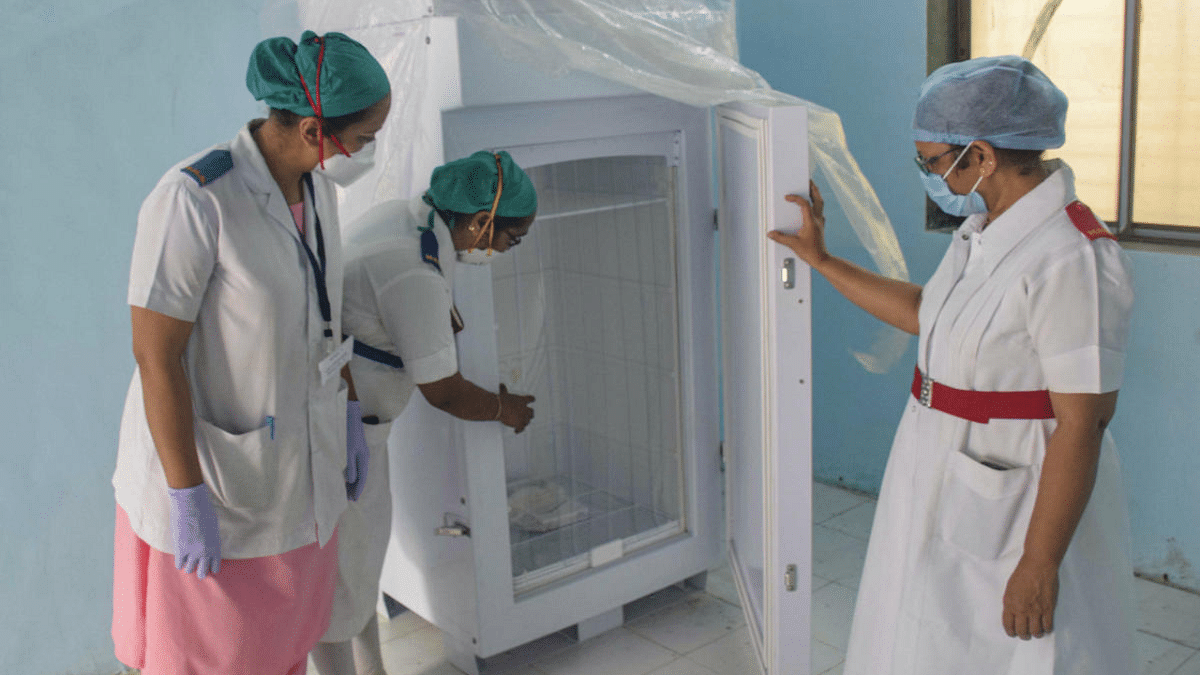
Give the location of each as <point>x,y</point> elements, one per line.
<point>316,104</point>
<point>490,228</point>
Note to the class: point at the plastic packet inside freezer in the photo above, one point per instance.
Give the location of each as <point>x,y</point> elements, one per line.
<point>539,505</point>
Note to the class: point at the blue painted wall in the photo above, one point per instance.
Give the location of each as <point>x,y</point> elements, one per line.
<point>1157,425</point>
<point>866,63</point>
<point>865,59</point>
<point>100,97</point>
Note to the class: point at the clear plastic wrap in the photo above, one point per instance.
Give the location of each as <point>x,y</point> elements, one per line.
<point>684,50</point>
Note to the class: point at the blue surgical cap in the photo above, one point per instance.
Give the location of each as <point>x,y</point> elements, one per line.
<point>1004,100</point>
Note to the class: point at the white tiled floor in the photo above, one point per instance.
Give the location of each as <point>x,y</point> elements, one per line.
<point>679,632</point>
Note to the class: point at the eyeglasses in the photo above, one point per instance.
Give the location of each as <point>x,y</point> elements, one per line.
<point>924,164</point>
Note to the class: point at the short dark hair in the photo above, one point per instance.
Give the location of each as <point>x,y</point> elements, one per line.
<point>332,126</point>
<point>1025,161</point>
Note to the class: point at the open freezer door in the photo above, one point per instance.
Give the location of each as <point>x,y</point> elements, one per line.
<point>766,354</point>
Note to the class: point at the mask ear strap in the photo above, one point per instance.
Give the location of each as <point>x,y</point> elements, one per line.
<point>490,228</point>
<point>977,183</point>
<point>958,159</point>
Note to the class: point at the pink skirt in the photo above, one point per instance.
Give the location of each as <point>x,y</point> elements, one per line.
<point>257,616</point>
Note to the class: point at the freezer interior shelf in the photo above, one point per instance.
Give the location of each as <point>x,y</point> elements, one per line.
<point>589,518</point>
<point>567,203</point>
<point>599,184</point>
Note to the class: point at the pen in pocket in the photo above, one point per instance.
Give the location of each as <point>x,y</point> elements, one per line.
<point>271,424</point>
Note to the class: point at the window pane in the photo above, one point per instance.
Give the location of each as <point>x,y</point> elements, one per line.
<point>1166,170</point>
<point>1081,52</point>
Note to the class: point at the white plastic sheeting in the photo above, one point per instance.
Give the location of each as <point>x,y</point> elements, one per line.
<point>684,50</point>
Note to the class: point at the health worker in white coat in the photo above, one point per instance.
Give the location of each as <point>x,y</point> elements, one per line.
<point>401,257</point>
<point>238,449</point>
<point>1001,540</point>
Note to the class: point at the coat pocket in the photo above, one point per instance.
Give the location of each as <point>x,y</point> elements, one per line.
<point>238,468</point>
<point>376,435</point>
<point>985,510</point>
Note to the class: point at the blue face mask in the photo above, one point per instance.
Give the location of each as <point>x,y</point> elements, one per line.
<point>953,204</point>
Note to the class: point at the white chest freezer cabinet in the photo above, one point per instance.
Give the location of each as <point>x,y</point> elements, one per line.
<point>655,402</point>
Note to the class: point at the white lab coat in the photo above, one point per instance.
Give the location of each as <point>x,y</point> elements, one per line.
<point>227,256</point>
<point>396,302</point>
<point>1029,303</point>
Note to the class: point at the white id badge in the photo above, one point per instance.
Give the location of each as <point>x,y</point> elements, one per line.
<point>331,366</point>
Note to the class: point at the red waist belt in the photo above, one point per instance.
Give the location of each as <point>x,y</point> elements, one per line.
<point>982,406</point>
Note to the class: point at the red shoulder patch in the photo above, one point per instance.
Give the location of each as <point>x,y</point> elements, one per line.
<point>1086,222</point>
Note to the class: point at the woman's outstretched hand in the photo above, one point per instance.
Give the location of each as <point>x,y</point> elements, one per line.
<point>809,241</point>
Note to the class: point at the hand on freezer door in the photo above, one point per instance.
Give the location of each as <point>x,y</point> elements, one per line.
<point>194,531</point>
<point>808,242</point>
<point>513,409</point>
<point>357,453</point>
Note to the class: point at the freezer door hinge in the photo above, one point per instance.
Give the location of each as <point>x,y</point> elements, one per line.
<point>453,526</point>
<point>676,157</point>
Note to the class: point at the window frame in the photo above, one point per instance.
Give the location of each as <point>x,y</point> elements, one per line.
<point>954,44</point>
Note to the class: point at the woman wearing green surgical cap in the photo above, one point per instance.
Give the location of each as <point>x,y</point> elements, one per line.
<point>401,261</point>
<point>238,449</point>
<point>1001,540</point>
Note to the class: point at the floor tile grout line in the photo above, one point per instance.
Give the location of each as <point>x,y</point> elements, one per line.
<point>680,655</point>
<point>1171,640</point>
<point>1179,668</point>
<point>835,515</point>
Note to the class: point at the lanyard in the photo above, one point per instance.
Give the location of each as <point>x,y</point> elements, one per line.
<point>429,253</point>
<point>318,261</point>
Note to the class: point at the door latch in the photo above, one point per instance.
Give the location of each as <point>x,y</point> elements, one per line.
<point>791,578</point>
<point>452,526</point>
<point>788,273</point>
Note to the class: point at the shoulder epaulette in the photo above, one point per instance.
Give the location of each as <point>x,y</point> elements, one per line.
<point>1086,222</point>
<point>429,249</point>
<point>210,167</point>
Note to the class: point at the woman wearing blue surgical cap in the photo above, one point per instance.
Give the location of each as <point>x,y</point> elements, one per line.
<point>238,449</point>
<point>401,260</point>
<point>1001,538</point>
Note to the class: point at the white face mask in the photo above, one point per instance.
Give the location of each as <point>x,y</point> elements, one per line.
<point>345,170</point>
<point>477,256</point>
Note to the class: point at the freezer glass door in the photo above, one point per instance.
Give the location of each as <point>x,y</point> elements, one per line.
<point>586,314</point>
<point>766,367</point>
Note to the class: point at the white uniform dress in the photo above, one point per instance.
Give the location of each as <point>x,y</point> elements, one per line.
<point>270,431</point>
<point>1029,303</point>
<point>397,302</point>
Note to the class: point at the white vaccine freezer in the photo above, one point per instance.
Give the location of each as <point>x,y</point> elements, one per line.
<point>672,376</point>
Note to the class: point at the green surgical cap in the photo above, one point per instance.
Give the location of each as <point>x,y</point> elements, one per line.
<point>468,185</point>
<point>351,79</point>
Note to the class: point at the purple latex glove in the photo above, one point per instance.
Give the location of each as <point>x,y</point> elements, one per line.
<point>194,528</point>
<point>356,452</point>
